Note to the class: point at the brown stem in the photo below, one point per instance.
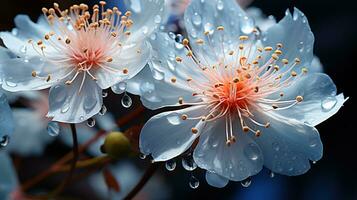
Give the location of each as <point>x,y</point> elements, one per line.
<point>146,177</point>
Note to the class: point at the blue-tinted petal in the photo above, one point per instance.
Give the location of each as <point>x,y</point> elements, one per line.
<point>320,99</point>
<point>288,144</point>
<point>206,16</point>
<point>294,32</point>
<point>166,135</point>
<point>69,104</point>
<point>236,162</point>
<point>147,17</point>
<point>8,180</point>
<point>216,180</point>
<point>6,117</point>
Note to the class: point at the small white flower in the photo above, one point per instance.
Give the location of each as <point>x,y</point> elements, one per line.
<point>78,52</point>
<point>251,98</point>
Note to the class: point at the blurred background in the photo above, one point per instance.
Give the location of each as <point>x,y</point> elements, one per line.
<point>334,177</point>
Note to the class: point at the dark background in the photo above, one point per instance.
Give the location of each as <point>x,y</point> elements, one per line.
<point>335,176</point>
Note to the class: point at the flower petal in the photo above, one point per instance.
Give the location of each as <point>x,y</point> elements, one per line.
<point>288,144</point>
<point>206,16</point>
<point>320,99</point>
<point>69,104</point>
<point>154,84</point>
<point>166,135</point>
<point>6,117</point>
<point>294,32</point>
<point>17,74</point>
<point>235,162</point>
<point>131,57</point>
<point>216,180</point>
<point>8,181</point>
<point>147,17</point>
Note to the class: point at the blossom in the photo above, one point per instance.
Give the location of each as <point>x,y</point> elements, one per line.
<point>248,98</point>
<point>6,121</point>
<point>77,53</point>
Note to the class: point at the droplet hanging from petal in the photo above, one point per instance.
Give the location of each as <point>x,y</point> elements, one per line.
<point>53,128</point>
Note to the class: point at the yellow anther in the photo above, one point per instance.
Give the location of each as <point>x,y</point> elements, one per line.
<point>189,53</point>
<point>48,78</point>
<point>304,70</point>
<point>299,99</point>
<point>230,53</point>
<point>275,106</point>
<point>258,133</point>
<point>180,100</point>
<point>125,71</point>
<point>184,117</point>
<point>256,89</point>
<point>173,80</point>
<point>243,37</point>
<point>235,80</point>
<point>297,60</point>
<point>278,52</point>
<point>285,61</point>
<point>241,46</point>
<point>275,57</point>
<point>109,59</point>
<point>113,34</point>
<point>47,37</point>
<point>33,74</point>
<point>276,67</point>
<point>199,41</point>
<point>268,48</point>
<point>267,125</point>
<point>245,128</point>
<point>293,73</point>
<point>279,45</point>
<point>194,130</point>
<point>39,42</point>
<point>178,59</point>
<point>185,42</point>
<point>220,28</point>
<point>68,41</point>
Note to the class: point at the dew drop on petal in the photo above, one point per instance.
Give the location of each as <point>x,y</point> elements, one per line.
<point>104,94</point>
<point>209,28</point>
<point>9,82</point>
<point>157,19</point>
<point>23,49</point>
<point>188,163</point>
<point>91,122</point>
<point>89,103</point>
<point>246,182</point>
<point>53,128</point>
<point>170,165</point>
<point>103,110</point>
<point>142,156</point>
<point>119,88</point>
<point>66,106</point>
<point>145,30</point>
<point>271,174</point>
<point>328,103</point>
<point>314,162</point>
<point>247,25</point>
<point>126,101</point>
<point>158,75</point>
<point>4,141</point>
<point>61,93</point>
<point>252,151</point>
<point>173,118</point>
<point>194,182</point>
<point>196,19</point>
<point>220,5</point>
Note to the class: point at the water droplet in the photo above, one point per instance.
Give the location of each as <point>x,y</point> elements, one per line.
<point>194,182</point>
<point>314,162</point>
<point>271,174</point>
<point>4,141</point>
<point>119,88</point>
<point>14,31</point>
<point>328,103</point>
<point>89,103</point>
<point>145,30</point>
<point>66,106</point>
<point>179,38</point>
<point>209,28</point>
<point>157,19</point>
<point>53,128</point>
<point>172,35</point>
<point>23,49</point>
<point>220,5</point>
<point>301,46</point>
<point>158,75</point>
<point>103,110</point>
<point>61,93</point>
<point>173,118</point>
<point>142,156</point>
<point>252,151</point>
<point>170,165</point>
<point>9,82</point>
<point>247,25</point>
<point>126,101</point>
<point>104,94</point>
<point>276,146</point>
<point>188,163</point>
<point>153,36</point>
<point>91,122</point>
<point>246,182</point>
<point>196,19</point>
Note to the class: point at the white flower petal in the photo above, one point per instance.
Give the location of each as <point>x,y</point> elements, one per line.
<point>6,117</point>
<point>288,144</point>
<point>235,162</point>
<point>294,32</point>
<point>17,74</point>
<point>8,181</point>
<point>216,180</point>
<point>154,84</point>
<point>68,105</point>
<point>147,17</point>
<point>206,16</point>
<point>320,100</point>
<point>131,57</point>
<point>166,135</point>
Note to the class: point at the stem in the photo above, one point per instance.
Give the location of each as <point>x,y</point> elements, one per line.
<point>146,177</point>
<point>59,189</point>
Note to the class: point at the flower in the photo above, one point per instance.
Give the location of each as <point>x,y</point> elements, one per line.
<point>78,52</point>
<point>8,181</point>
<point>6,121</point>
<point>248,98</point>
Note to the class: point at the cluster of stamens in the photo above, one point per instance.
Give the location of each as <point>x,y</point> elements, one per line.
<point>84,41</point>
<point>241,82</point>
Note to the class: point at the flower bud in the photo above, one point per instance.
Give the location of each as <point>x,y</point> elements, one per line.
<point>116,145</point>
